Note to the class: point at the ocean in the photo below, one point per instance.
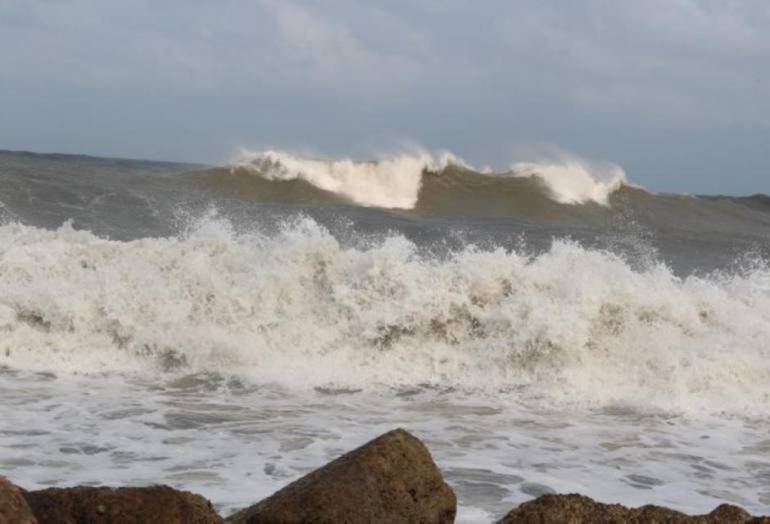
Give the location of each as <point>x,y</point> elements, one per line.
<point>226,329</point>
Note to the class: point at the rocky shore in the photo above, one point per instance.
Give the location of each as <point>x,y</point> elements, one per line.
<point>391,479</point>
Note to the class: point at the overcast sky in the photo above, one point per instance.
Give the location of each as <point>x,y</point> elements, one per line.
<point>675,91</point>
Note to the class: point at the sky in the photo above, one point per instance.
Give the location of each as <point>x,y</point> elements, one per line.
<point>675,91</point>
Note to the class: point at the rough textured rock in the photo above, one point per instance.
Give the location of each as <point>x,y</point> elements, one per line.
<point>390,479</point>
<point>87,505</point>
<point>13,507</point>
<point>574,509</point>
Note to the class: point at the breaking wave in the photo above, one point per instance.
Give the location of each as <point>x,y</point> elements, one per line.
<point>398,182</point>
<point>571,325</point>
<point>574,181</point>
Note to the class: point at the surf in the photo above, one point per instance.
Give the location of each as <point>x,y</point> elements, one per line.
<point>397,182</point>
<point>571,325</point>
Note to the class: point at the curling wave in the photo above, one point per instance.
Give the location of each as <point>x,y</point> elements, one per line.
<point>398,182</point>
<point>574,181</point>
<point>570,325</point>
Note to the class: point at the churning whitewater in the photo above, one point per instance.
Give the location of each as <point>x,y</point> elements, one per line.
<point>570,325</point>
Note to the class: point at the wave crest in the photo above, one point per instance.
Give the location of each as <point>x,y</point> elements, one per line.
<point>389,183</point>
<point>396,182</point>
<point>575,181</point>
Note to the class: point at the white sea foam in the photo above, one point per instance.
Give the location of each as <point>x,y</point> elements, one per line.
<point>575,181</point>
<point>395,182</point>
<point>391,182</point>
<point>572,325</point>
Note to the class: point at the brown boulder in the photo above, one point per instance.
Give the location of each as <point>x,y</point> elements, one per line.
<point>576,509</point>
<point>390,479</point>
<point>101,505</point>
<point>13,507</point>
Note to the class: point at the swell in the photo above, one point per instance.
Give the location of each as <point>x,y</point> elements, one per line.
<point>126,199</point>
<point>241,182</point>
<point>459,191</point>
<point>451,190</point>
<point>396,182</point>
<point>758,202</point>
<point>570,325</point>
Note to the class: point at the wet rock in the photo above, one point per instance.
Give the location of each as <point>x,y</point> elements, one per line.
<point>100,505</point>
<point>574,509</point>
<point>13,507</point>
<point>390,479</point>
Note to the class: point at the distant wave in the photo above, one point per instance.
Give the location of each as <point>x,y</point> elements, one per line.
<point>398,182</point>
<point>575,181</point>
<point>568,190</point>
<point>565,191</point>
<point>301,310</point>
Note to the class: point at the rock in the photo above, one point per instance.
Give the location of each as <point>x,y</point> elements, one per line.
<point>574,509</point>
<point>101,505</point>
<point>390,479</point>
<point>13,507</point>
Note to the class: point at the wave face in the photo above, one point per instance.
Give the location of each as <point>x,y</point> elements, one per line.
<point>574,181</point>
<point>570,192</point>
<point>570,325</point>
<point>398,182</point>
<point>390,183</point>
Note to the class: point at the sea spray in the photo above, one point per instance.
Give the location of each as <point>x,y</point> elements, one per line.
<point>570,325</point>
<point>395,181</point>
<point>575,181</point>
<point>392,182</point>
